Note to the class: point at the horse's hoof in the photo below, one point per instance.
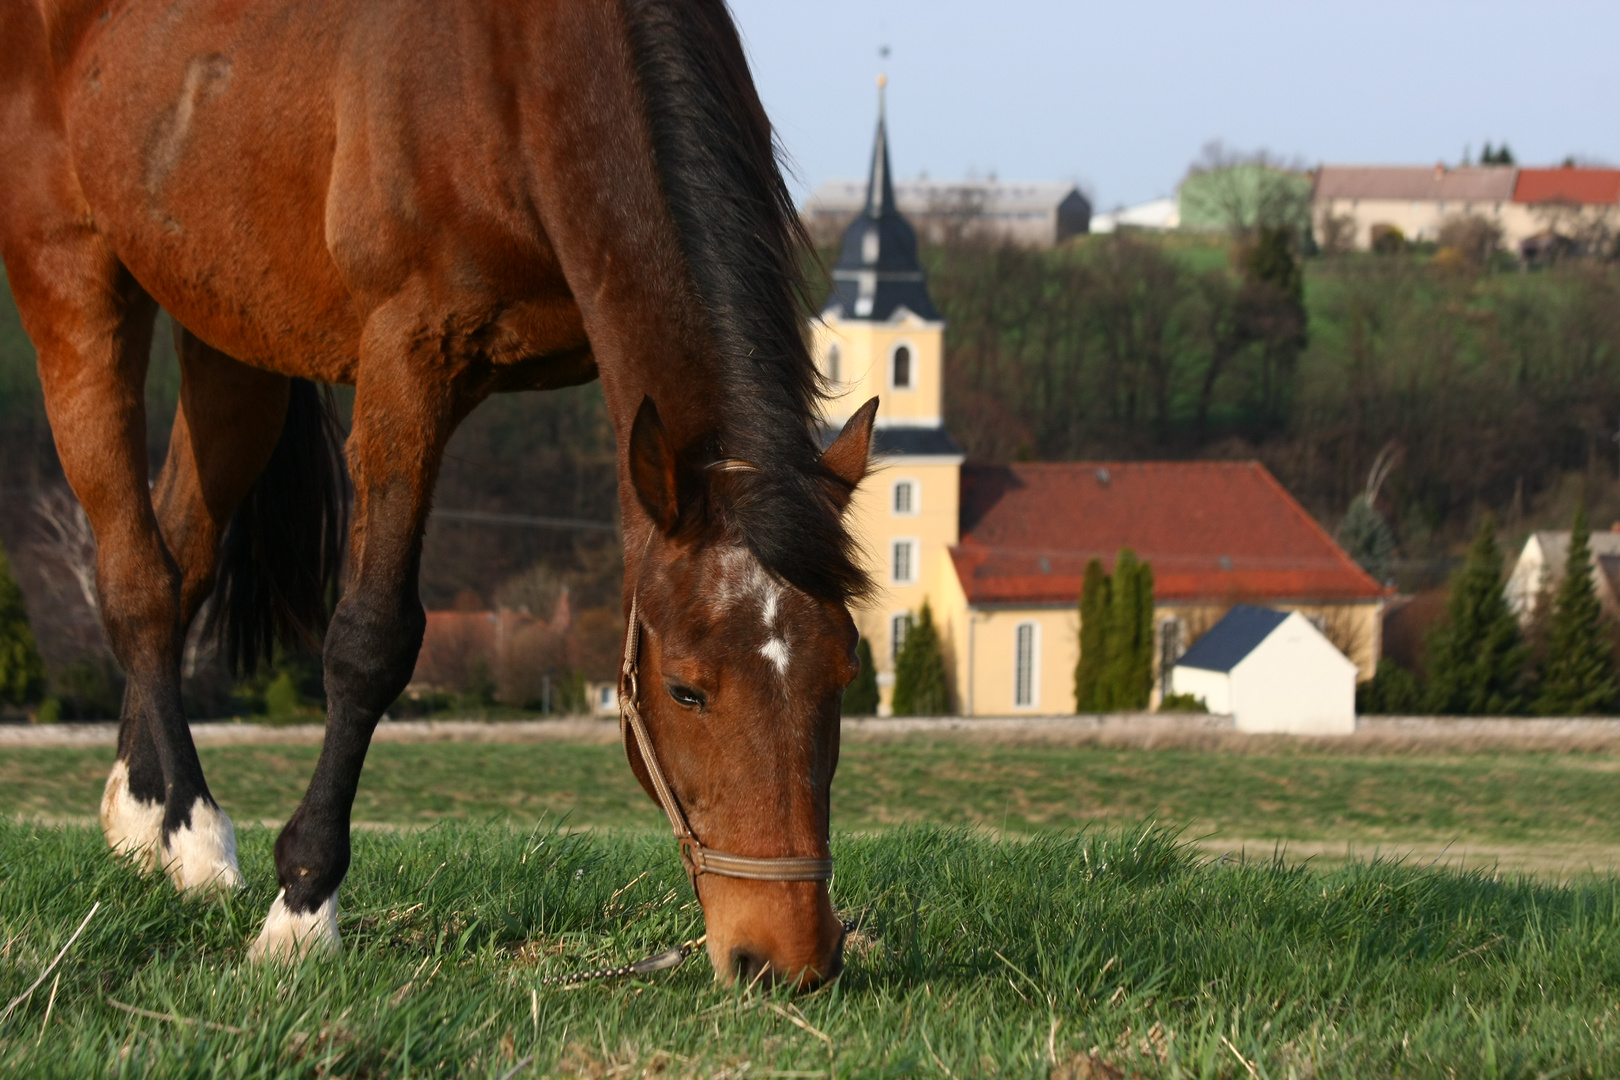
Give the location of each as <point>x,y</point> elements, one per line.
<point>201,856</point>
<point>133,827</point>
<point>287,934</point>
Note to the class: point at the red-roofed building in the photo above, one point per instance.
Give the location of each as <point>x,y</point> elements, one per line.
<point>1567,208</point>
<point>999,552</point>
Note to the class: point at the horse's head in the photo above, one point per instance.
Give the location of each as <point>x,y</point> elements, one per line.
<point>739,678</point>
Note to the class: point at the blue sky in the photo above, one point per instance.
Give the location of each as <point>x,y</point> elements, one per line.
<point>1122,97</point>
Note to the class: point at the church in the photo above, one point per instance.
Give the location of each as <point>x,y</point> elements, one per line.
<point>999,551</point>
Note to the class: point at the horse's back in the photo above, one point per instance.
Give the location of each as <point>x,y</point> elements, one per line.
<point>272,172</point>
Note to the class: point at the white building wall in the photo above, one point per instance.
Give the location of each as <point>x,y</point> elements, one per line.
<point>1295,681</point>
<point>1214,687</point>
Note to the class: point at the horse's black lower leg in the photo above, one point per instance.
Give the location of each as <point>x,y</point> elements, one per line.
<point>132,803</point>
<point>370,652</point>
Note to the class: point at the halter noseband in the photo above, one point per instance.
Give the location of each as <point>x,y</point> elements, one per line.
<point>698,858</point>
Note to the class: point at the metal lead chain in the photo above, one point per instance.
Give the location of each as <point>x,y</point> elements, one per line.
<point>669,958</point>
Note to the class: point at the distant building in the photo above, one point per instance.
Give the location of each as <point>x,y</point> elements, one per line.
<point>999,552</point>
<point>1571,207</point>
<point>1415,200</point>
<point>1271,671</point>
<point>1541,566</point>
<point>1030,214</point>
<point>1157,216</point>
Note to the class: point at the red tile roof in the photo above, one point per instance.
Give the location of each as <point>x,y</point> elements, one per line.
<point>1587,187</point>
<point>1475,183</point>
<point>1223,531</point>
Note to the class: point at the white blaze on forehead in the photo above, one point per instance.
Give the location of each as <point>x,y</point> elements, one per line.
<point>742,580</point>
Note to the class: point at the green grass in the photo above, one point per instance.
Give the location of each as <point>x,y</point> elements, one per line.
<point>979,957</point>
<point>1295,794</point>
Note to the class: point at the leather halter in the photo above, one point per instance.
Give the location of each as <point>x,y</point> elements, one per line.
<point>698,858</point>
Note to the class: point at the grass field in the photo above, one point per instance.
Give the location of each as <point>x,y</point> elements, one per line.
<point>1105,954</point>
<point>1304,795</point>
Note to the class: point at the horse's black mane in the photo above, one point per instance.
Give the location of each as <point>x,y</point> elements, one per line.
<point>743,244</point>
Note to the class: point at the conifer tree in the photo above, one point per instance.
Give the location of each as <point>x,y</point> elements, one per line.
<point>22,674</point>
<point>1093,626</point>
<point>920,688</point>
<point>1476,657</point>
<point>1127,677</point>
<point>861,697</point>
<point>1577,672</point>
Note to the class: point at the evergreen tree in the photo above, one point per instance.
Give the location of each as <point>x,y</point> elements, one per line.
<point>1127,676</point>
<point>920,688</point>
<point>1577,674</point>
<point>1366,538</point>
<point>1093,626</point>
<point>861,697</point>
<point>22,675</point>
<point>1476,657</point>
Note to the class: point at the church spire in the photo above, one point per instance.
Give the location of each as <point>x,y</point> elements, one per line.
<point>878,270</point>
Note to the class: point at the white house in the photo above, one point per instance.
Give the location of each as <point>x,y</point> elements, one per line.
<point>1160,214</point>
<point>1271,671</point>
<point>1541,565</point>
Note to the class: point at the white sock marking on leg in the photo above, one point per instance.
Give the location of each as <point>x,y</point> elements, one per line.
<point>202,855</point>
<point>288,934</point>
<point>133,827</point>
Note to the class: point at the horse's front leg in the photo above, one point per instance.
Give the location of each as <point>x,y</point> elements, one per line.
<point>406,406</point>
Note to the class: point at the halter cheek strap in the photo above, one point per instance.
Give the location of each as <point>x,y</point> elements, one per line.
<point>698,858</point>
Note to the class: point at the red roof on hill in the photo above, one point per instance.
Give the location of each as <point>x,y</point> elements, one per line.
<point>1224,531</point>
<point>1587,187</point>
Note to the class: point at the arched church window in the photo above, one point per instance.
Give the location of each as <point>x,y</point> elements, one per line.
<point>900,365</point>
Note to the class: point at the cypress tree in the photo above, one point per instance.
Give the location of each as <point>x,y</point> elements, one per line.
<point>1127,677</point>
<point>22,674</point>
<point>1093,627</point>
<point>920,688</point>
<point>861,697</point>
<point>1577,674</point>
<point>1476,657</point>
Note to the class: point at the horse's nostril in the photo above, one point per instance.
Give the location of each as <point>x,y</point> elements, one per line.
<point>748,965</point>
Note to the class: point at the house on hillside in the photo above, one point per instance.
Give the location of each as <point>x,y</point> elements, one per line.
<point>1271,671</point>
<point>1417,200</point>
<point>1155,216</point>
<point>1540,566</point>
<point>999,552</point>
<point>1568,206</point>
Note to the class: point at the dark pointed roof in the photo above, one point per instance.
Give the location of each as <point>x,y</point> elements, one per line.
<point>1237,635</point>
<point>878,271</point>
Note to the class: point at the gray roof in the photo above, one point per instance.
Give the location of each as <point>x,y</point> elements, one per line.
<point>840,198</point>
<point>1237,635</point>
<point>878,272</point>
<point>904,442</point>
<point>1473,183</point>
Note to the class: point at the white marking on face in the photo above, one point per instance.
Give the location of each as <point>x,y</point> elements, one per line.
<point>288,934</point>
<point>776,651</point>
<point>132,826</point>
<point>201,856</point>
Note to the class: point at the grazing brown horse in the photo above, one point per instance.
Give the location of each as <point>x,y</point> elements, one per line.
<point>435,201</point>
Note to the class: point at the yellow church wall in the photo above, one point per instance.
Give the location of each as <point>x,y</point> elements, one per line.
<point>864,353</point>
<point>988,644</point>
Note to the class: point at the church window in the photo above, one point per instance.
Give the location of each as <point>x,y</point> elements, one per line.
<point>900,367</point>
<point>905,498</point>
<point>833,357</point>
<point>1026,652</point>
<point>903,562</point>
<point>898,626</point>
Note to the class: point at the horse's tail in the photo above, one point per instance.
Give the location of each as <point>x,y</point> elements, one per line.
<point>282,553</point>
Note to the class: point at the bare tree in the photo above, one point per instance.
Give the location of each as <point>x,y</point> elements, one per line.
<point>68,539</point>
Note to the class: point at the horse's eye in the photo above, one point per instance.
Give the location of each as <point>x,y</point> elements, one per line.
<point>686,696</point>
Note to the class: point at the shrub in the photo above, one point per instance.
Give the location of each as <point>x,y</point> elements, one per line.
<point>1188,703</point>
<point>861,697</point>
<point>920,686</point>
<point>1392,691</point>
<point>1387,239</point>
<point>22,673</point>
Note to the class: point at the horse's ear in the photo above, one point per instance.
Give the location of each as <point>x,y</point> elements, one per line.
<point>847,457</point>
<point>652,467</point>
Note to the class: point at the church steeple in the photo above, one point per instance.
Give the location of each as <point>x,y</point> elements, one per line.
<point>878,271</point>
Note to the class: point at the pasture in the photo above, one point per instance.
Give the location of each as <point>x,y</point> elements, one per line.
<point>1016,915</point>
